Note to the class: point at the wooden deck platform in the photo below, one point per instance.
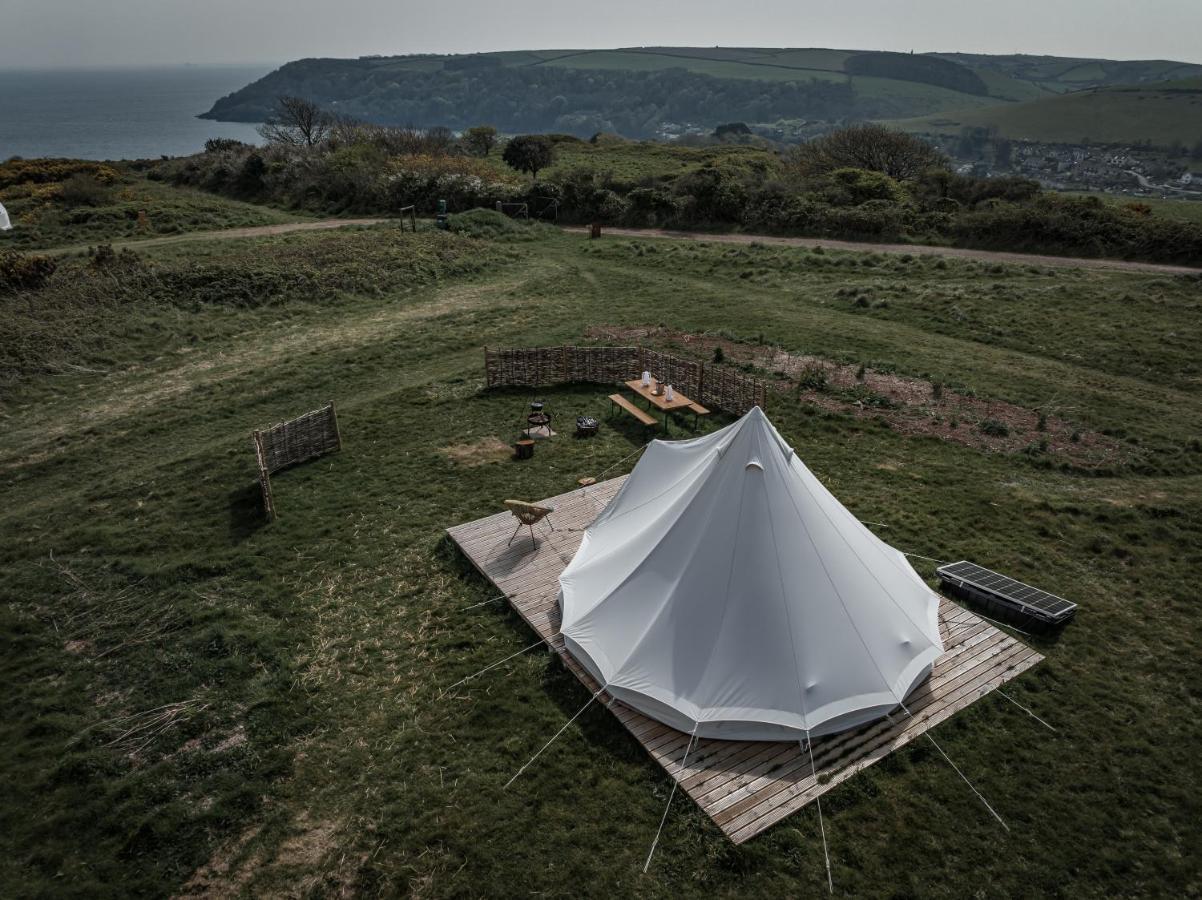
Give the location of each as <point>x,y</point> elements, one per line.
<point>744,786</point>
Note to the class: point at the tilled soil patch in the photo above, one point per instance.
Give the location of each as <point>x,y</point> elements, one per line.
<point>909,405</point>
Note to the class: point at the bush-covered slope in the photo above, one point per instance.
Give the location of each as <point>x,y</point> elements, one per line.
<point>636,90</point>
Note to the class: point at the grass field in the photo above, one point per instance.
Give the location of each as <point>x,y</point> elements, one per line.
<point>632,161</point>
<point>128,207</point>
<point>196,701</point>
<point>1162,114</point>
<point>1181,210</point>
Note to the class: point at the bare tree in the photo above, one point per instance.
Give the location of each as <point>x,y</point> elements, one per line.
<point>296,121</point>
<point>872,147</point>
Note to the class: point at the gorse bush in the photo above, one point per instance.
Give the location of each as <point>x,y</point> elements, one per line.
<point>360,176</point>
<point>22,272</point>
<point>82,189</point>
<point>493,225</point>
<point>46,171</point>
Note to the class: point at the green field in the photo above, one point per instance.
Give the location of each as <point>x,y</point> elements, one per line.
<point>1162,113</point>
<point>632,161</point>
<point>1179,210</point>
<point>196,701</point>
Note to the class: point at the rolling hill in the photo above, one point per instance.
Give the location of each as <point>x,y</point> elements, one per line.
<point>636,90</point>
<point>1161,113</point>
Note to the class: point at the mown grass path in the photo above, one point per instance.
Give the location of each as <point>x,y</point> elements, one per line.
<point>253,231</point>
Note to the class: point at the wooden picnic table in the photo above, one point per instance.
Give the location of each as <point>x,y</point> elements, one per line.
<point>660,401</point>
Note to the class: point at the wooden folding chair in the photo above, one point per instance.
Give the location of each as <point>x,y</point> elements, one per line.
<point>528,514</point>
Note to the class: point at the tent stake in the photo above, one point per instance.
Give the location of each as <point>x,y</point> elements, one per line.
<point>675,782</point>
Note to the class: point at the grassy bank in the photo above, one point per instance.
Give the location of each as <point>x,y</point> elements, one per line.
<point>194,700</point>
<point>57,202</point>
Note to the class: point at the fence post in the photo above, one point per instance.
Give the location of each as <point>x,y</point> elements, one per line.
<point>337,430</point>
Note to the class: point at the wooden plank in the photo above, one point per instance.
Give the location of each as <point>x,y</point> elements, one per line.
<point>622,403</point>
<point>743,786</point>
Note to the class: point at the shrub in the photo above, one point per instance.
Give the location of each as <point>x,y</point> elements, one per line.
<point>103,258</point>
<point>488,223</point>
<point>994,428</point>
<point>865,396</point>
<point>648,207</point>
<point>812,378</point>
<point>224,145</point>
<point>47,171</point>
<point>856,186</point>
<point>719,355</point>
<point>24,272</point>
<point>83,190</point>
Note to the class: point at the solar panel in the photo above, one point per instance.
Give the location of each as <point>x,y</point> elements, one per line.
<point>1005,596</point>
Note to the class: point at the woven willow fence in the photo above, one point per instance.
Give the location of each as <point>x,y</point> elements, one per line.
<point>712,386</point>
<point>289,443</point>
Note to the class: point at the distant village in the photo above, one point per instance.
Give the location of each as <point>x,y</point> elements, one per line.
<point>1137,171</point>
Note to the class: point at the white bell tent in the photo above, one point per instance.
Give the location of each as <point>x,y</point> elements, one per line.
<point>5,224</point>
<point>725,592</point>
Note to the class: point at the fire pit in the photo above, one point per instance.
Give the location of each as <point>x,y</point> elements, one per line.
<point>586,426</point>
<point>538,421</point>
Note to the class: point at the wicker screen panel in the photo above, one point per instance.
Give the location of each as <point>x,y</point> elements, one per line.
<point>296,441</point>
<point>682,374</point>
<point>529,367</point>
<point>712,386</point>
<point>300,439</point>
<point>729,391</point>
<point>603,365</point>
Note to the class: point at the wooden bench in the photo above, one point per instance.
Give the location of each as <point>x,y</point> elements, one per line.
<point>622,403</point>
<point>697,410</point>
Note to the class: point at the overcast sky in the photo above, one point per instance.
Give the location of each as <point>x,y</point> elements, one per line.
<point>138,32</point>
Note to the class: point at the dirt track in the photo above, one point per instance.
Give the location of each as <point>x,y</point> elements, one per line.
<point>720,238</point>
<point>1025,259</point>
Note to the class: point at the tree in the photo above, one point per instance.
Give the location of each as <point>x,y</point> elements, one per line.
<point>480,140</point>
<point>298,122</point>
<point>529,153</point>
<point>732,130</point>
<point>1003,153</point>
<point>872,147</point>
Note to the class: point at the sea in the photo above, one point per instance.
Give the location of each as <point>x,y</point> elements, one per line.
<point>134,113</point>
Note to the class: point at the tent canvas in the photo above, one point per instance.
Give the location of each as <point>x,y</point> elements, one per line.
<point>5,224</point>
<point>725,592</point>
